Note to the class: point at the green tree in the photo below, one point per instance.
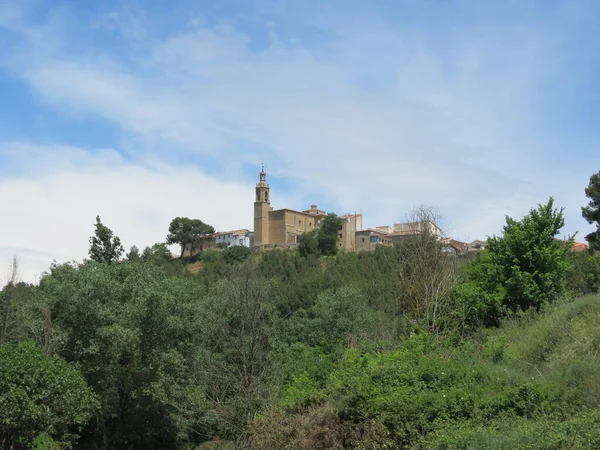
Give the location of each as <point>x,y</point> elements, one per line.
<point>104,246</point>
<point>308,244</point>
<point>327,236</point>
<point>591,212</point>
<point>523,268</point>
<point>11,311</point>
<point>134,254</point>
<point>134,331</point>
<point>185,231</point>
<point>40,395</point>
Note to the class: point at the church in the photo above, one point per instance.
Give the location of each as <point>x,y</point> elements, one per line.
<point>283,227</point>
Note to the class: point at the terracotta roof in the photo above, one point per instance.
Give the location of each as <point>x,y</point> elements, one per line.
<point>371,230</point>
<point>579,247</point>
<point>478,242</point>
<point>457,244</point>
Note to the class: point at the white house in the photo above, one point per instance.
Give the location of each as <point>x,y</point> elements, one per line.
<point>235,237</point>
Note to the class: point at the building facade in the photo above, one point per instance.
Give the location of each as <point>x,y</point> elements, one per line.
<point>244,238</point>
<point>283,227</point>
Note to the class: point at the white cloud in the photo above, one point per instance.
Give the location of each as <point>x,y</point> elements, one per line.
<point>51,215</point>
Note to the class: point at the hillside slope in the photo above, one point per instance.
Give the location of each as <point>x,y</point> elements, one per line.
<point>534,383</point>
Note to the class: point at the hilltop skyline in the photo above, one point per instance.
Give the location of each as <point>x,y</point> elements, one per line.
<point>143,111</point>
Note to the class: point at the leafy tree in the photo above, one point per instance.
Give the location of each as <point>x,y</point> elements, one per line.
<point>236,253</point>
<point>308,245</point>
<point>134,331</point>
<point>591,213</point>
<point>134,254</point>
<point>11,311</point>
<point>185,231</point>
<point>104,247</point>
<point>327,236</point>
<point>584,275</point>
<point>523,268</point>
<point>40,395</point>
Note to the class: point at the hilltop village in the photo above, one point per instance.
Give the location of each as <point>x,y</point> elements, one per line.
<point>282,228</point>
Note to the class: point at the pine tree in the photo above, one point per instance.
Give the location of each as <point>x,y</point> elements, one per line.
<point>591,213</point>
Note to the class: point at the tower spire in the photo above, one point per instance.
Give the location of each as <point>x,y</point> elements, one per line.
<point>262,188</point>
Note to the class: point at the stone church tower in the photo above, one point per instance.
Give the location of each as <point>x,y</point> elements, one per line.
<point>262,206</point>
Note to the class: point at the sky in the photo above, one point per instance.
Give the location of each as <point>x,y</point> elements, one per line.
<point>141,111</point>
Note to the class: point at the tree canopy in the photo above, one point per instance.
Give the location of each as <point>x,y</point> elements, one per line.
<point>327,234</point>
<point>185,231</point>
<point>104,246</point>
<point>40,394</point>
<point>523,268</point>
<point>591,212</point>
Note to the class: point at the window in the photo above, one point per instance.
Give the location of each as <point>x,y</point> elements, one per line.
<point>373,239</point>
<point>341,235</point>
<point>241,242</point>
<point>363,239</point>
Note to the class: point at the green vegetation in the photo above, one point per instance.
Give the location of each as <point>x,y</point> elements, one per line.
<point>402,347</point>
<point>184,231</point>
<point>40,395</point>
<point>591,212</point>
<point>323,240</point>
<point>104,246</point>
<point>524,268</point>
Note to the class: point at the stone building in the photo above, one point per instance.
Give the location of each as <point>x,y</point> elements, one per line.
<point>283,227</point>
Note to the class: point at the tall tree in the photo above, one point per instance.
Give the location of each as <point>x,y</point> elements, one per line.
<point>134,254</point>
<point>10,305</point>
<point>185,231</point>
<point>591,212</point>
<point>327,236</point>
<point>104,246</point>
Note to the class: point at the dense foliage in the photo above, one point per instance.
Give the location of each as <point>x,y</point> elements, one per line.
<point>323,240</point>
<point>524,268</point>
<point>104,245</point>
<point>40,396</point>
<point>402,347</point>
<point>591,212</point>
<point>187,232</point>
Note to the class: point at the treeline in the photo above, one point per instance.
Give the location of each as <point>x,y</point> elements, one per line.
<point>403,347</point>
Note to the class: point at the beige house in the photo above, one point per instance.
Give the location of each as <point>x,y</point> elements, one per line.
<point>283,227</point>
<point>368,240</point>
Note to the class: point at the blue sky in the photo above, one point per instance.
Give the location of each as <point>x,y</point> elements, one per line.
<point>141,111</point>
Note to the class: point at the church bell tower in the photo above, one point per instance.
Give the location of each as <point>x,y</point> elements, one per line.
<point>262,206</point>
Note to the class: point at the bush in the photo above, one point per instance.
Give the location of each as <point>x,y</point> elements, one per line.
<point>579,432</point>
<point>584,275</point>
<point>236,253</point>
